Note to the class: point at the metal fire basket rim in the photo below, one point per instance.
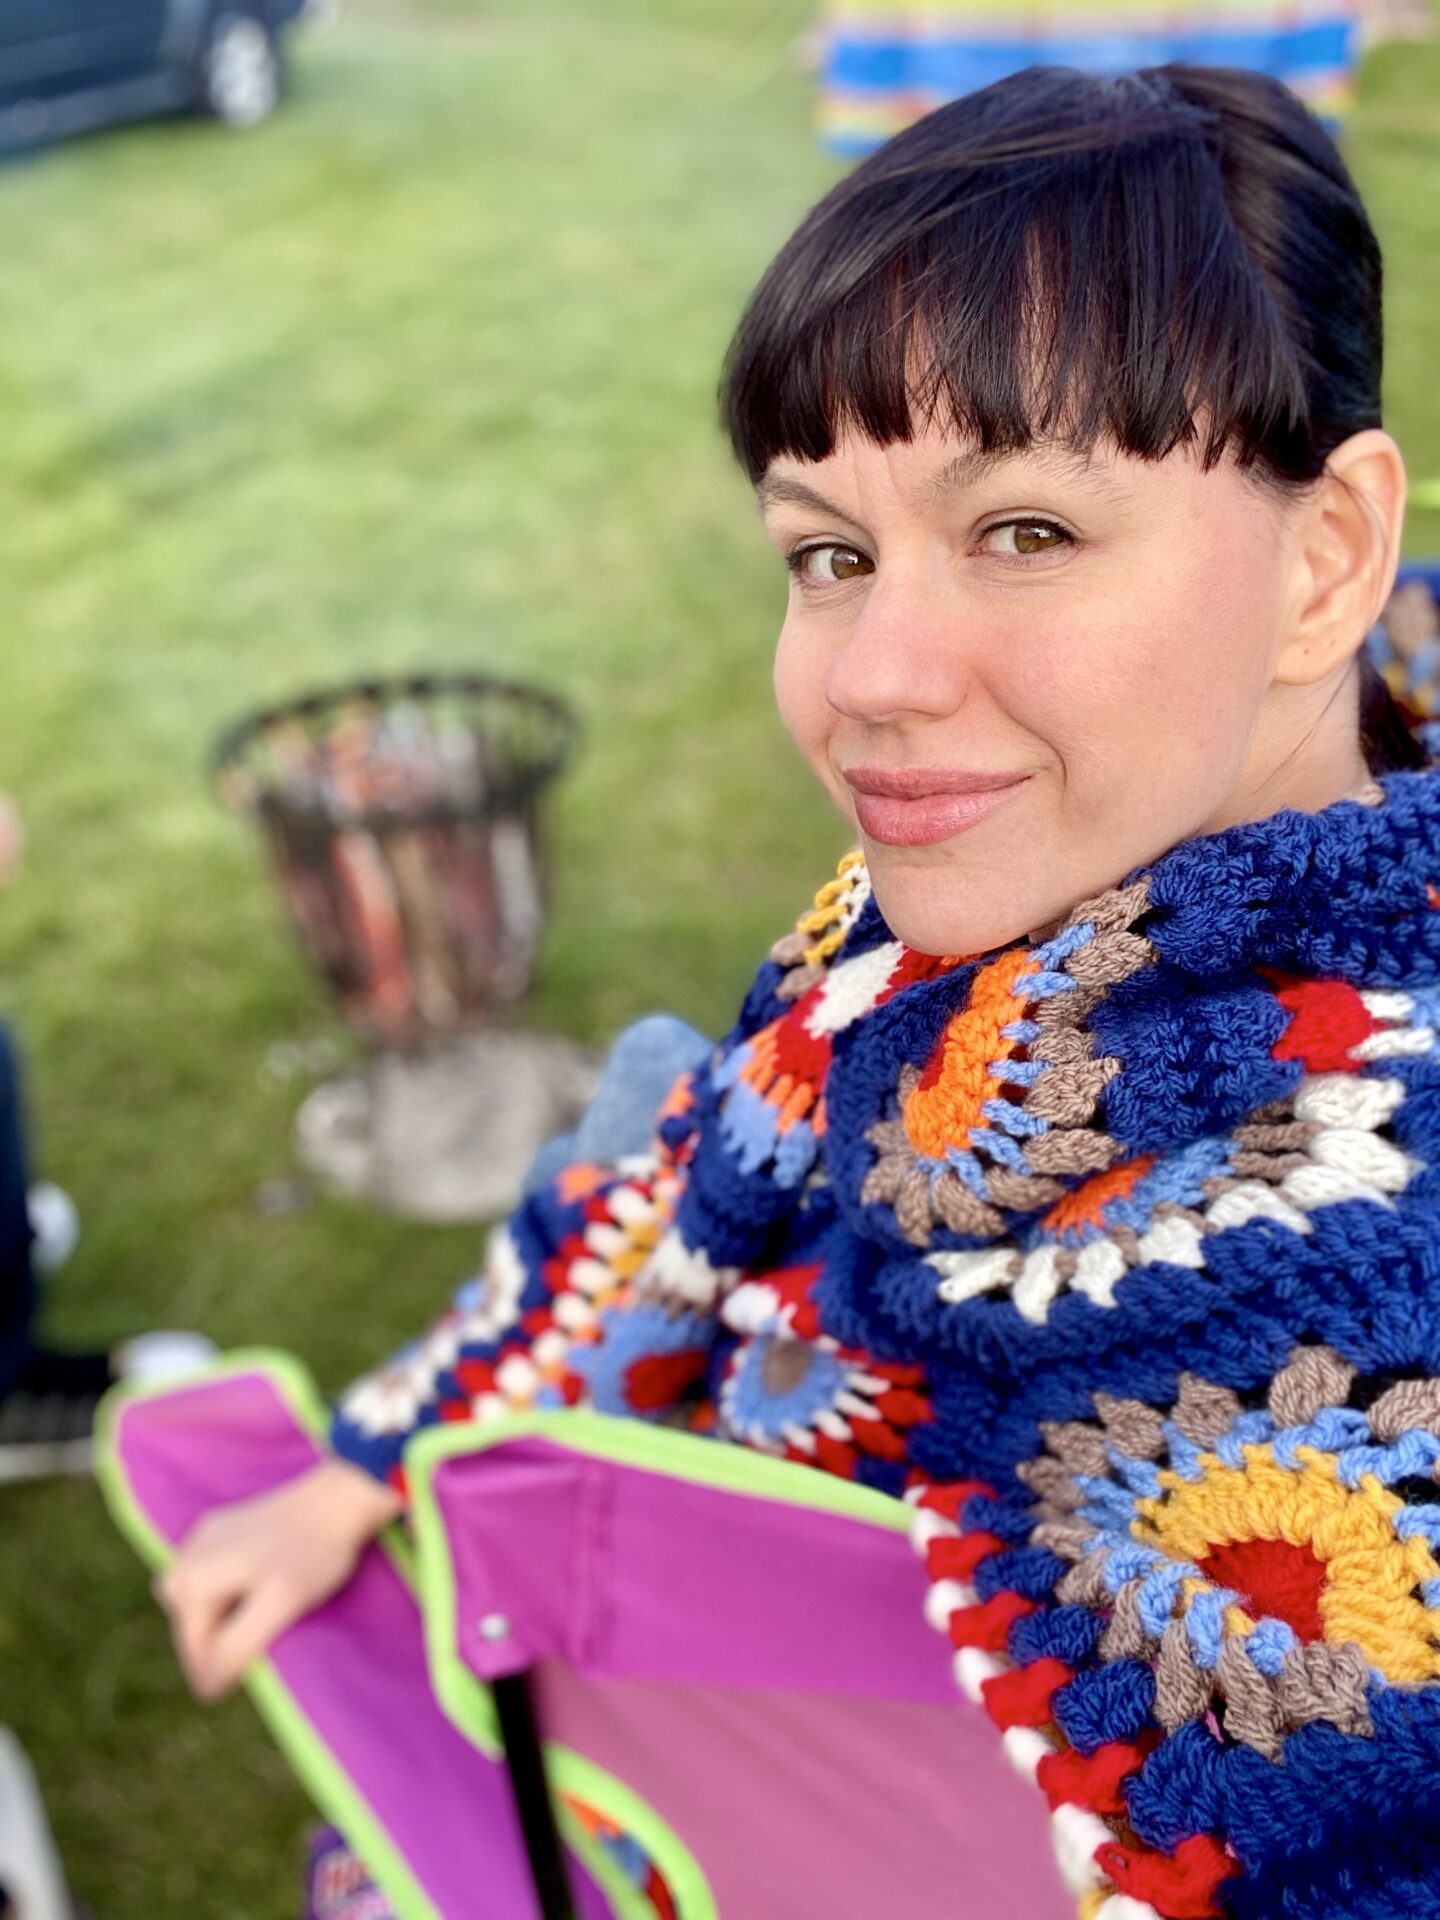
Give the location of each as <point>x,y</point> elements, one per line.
<point>509,794</point>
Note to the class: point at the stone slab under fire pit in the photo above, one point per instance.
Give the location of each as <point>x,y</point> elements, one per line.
<point>446,1133</point>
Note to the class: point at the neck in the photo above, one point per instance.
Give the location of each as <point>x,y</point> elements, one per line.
<point>1305,753</point>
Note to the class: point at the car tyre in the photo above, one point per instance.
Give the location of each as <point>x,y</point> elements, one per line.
<point>240,70</point>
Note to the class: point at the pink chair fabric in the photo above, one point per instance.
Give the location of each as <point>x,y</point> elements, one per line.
<point>761,1674</point>
<point>756,1672</point>
<point>355,1669</point>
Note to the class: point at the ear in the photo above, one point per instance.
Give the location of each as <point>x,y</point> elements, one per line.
<point>1349,547</point>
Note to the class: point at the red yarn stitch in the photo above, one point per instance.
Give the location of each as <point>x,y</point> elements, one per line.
<point>657,1380</point>
<point>1329,1019</point>
<point>792,1285</point>
<point>1278,1577</point>
<point>949,1496</point>
<point>1181,1886</point>
<point>878,1440</point>
<point>555,1271</point>
<point>903,1406</point>
<point>1022,1698</point>
<point>1095,1780</point>
<point>475,1376</point>
<point>831,1456</point>
<point>989,1625</point>
<point>659,1896</point>
<point>955,1557</point>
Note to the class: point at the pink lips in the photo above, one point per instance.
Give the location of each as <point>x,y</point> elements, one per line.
<point>917,806</point>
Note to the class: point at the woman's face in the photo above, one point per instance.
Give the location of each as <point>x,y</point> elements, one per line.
<point>1022,676</point>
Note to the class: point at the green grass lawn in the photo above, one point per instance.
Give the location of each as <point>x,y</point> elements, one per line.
<point>423,372</point>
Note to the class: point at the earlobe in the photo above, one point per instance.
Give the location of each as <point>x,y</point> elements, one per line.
<point>1350,545</point>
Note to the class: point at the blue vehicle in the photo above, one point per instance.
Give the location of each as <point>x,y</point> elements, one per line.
<point>67,66</point>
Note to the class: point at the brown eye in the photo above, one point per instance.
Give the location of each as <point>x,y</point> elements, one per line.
<point>826,566</point>
<point>1036,539</point>
<point>1027,538</point>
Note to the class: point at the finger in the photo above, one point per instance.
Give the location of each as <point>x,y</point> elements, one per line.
<point>192,1564</point>
<point>194,1640</point>
<point>172,1583</point>
<point>196,1580</point>
<point>248,1630</point>
<point>196,1617</point>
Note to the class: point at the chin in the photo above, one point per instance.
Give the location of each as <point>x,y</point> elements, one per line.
<point>949,913</point>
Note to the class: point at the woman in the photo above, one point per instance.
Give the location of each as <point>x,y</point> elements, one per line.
<point>1068,1171</point>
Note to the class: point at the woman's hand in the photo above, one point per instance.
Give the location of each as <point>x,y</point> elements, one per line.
<point>248,1571</point>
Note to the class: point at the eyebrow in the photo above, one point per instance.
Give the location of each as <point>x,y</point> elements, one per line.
<point>774,489</point>
<point>965,470</point>
<point>1066,463</point>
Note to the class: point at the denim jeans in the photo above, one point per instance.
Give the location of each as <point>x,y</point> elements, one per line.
<point>645,1062</point>
<point>17,1276</point>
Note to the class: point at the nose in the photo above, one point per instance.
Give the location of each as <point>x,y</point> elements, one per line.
<point>905,654</point>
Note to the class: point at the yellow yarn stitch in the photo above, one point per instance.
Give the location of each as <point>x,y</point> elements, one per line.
<point>828,918</point>
<point>1370,1573</point>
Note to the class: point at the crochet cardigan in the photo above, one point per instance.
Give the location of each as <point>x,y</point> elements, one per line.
<point>1117,1254</point>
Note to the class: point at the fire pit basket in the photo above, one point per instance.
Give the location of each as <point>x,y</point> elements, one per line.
<point>402,820</point>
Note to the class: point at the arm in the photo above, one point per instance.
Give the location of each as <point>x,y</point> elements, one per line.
<point>594,1291</point>
<point>555,1318</point>
<point>562,1315</point>
<point>248,1571</point>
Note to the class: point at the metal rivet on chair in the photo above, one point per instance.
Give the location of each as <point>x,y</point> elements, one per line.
<point>494,1626</point>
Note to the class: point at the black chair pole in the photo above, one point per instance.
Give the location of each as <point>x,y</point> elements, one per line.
<point>526,1763</point>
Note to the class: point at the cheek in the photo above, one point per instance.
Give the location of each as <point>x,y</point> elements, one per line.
<point>1153,701</point>
<point>799,679</point>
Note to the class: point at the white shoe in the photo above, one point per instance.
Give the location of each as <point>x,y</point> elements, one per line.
<point>29,1869</point>
<point>54,1225</point>
<point>153,1357</point>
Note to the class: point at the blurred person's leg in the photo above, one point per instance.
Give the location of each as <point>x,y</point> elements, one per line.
<point>646,1060</point>
<point>48,1398</point>
<point>17,1274</point>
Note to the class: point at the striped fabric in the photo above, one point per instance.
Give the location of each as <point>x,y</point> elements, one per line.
<point>888,62</point>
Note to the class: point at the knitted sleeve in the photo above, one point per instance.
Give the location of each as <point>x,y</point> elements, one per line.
<point>557,1316</point>
<point>604,1288</point>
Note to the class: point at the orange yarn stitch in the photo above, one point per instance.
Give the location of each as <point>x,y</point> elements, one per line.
<point>794,1096</point>
<point>1085,1207</point>
<point>955,1086</point>
<point>580,1179</point>
<point>679,1101</point>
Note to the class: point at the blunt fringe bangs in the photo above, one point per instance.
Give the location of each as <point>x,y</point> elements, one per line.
<point>1176,257</point>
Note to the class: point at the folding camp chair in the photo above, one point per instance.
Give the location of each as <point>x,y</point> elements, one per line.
<point>726,1655</point>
